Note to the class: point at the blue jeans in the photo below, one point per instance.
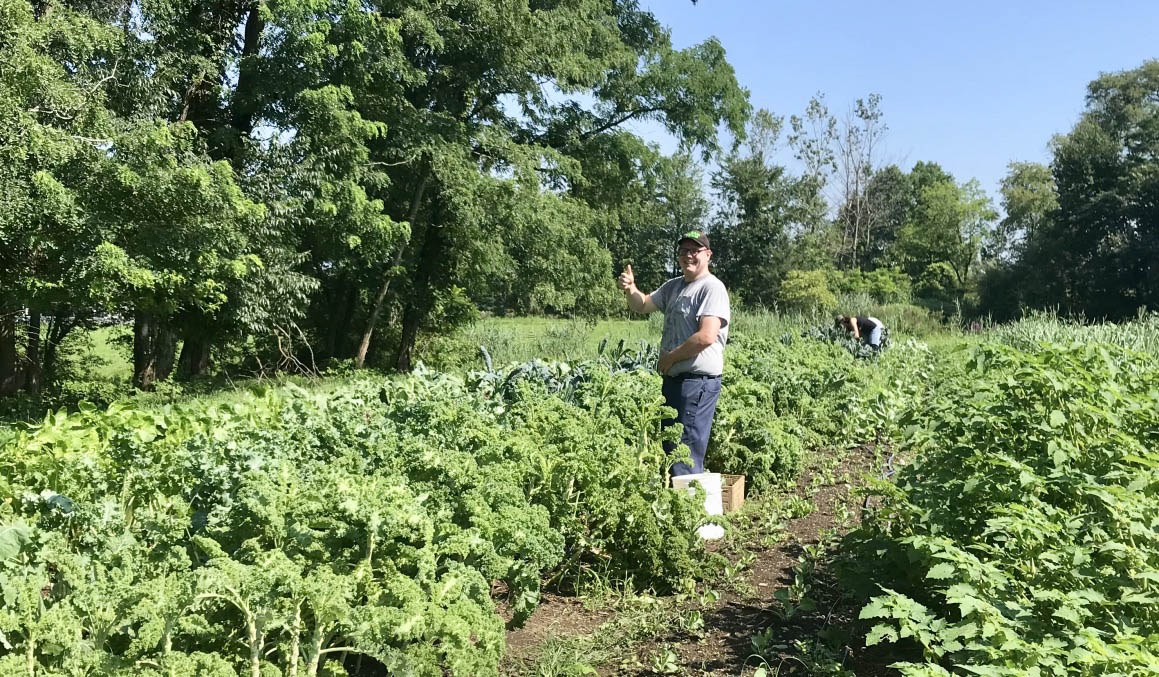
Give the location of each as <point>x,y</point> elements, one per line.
<point>875,337</point>
<point>694,399</point>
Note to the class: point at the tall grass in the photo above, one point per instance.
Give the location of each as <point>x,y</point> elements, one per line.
<point>901,318</point>
<point>1141,334</point>
<point>520,339</point>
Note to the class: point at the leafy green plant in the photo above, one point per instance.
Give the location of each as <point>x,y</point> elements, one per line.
<point>665,661</point>
<point>366,520</point>
<point>806,290</point>
<point>1023,535</point>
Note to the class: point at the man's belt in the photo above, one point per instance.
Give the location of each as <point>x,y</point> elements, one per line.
<point>688,377</point>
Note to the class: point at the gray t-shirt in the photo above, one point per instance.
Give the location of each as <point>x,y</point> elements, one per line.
<point>683,304</point>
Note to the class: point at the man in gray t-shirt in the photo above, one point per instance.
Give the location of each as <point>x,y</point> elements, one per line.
<point>696,321</point>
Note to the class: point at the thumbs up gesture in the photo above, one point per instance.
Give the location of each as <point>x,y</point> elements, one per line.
<point>626,281</point>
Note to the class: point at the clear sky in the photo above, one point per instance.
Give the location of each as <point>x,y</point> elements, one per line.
<point>972,86</point>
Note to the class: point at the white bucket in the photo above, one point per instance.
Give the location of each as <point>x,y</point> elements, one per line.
<point>713,504</point>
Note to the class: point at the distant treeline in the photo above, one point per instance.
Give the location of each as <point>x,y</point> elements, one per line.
<point>276,184</point>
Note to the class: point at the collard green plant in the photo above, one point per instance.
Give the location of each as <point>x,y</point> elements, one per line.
<point>292,529</point>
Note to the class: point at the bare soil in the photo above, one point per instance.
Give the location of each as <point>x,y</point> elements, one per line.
<point>724,646</point>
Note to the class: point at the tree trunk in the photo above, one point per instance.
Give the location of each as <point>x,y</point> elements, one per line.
<point>10,379</point>
<point>345,323</point>
<point>428,259</point>
<point>166,349</point>
<point>194,359</point>
<point>32,354</point>
<point>341,299</point>
<point>375,311</point>
<point>153,348</point>
<point>144,367</point>
<point>62,323</point>
<point>245,101</point>
<point>329,331</point>
<point>380,297</point>
<point>411,319</point>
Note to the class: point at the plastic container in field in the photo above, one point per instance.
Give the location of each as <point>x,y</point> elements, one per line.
<point>711,482</point>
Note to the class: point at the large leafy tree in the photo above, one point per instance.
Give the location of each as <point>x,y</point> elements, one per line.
<point>1029,200</point>
<point>242,170</point>
<point>209,64</point>
<point>890,197</point>
<point>53,123</point>
<point>178,237</point>
<point>472,107</point>
<point>762,206</point>
<point>640,201</point>
<point>1102,247</point>
<point>947,226</point>
<point>129,126</point>
<point>1083,236</point>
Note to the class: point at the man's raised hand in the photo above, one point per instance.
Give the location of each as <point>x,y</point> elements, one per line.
<point>627,280</point>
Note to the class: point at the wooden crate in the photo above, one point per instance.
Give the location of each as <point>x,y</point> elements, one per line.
<point>732,492</point>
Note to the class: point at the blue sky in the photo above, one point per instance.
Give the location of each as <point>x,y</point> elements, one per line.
<point>972,86</point>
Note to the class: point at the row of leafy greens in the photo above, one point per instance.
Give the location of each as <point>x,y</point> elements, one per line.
<point>1023,538</point>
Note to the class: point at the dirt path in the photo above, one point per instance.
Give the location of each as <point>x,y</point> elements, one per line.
<point>712,633</point>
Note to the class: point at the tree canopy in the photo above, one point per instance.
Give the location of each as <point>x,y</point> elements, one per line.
<point>309,182</point>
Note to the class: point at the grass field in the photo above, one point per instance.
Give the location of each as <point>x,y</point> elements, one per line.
<point>102,358</point>
<point>108,353</point>
<point>105,353</point>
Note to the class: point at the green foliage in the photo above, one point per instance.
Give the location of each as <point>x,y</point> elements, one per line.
<point>371,519</point>
<point>806,290</point>
<point>938,282</point>
<point>1080,235</point>
<point>1030,200</point>
<point>156,193</point>
<point>1022,534</point>
<point>232,175</point>
<point>761,204</point>
<point>886,285</point>
<point>949,224</point>
<point>890,200</point>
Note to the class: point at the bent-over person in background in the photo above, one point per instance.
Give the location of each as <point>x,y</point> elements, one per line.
<point>696,319</point>
<point>865,329</point>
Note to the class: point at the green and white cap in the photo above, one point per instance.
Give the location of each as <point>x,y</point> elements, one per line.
<point>697,236</point>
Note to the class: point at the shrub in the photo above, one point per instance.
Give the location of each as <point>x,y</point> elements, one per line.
<point>938,282</point>
<point>886,285</point>
<point>806,291</point>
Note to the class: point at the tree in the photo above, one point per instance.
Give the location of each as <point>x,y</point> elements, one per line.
<point>684,204</point>
<point>858,144</point>
<point>1100,252</point>
<point>761,205</point>
<point>220,171</point>
<point>454,137</point>
<point>890,198</point>
<point>52,123</point>
<point>1029,199</point>
<point>948,225</point>
<point>623,180</point>
<point>814,240</point>
<point>178,237</point>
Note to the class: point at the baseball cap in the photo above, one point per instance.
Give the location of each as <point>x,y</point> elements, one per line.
<point>697,236</point>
